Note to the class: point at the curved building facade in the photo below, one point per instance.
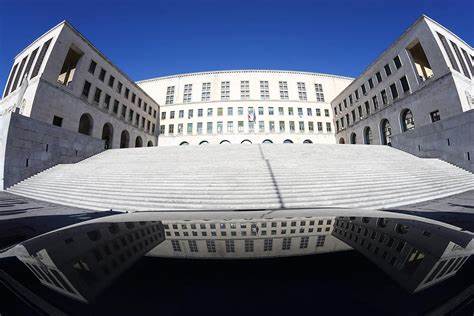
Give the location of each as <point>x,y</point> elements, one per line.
<point>245,106</point>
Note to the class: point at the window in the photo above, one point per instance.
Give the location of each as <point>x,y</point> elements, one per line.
<point>116,106</point>
<point>326,112</point>
<point>172,114</point>
<point>248,245</point>
<point>404,83</point>
<point>283,90</point>
<point>119,87</point>
<point>319,92</point>
<point>320,241</point>
<point>397,62</point>
<point>364,91</point>
<point>386,131</point>
<point>134,96</point>
<point>394,91</point>
<point>375,101</point>
<point>229,245</point>
<point>57,121</point>
<point>379,79</point>
<point>286,245</point>
<point>176,246</point>
<point>209,127</point>
<point>188,90</point>
<point>190,113</point>
<point>449,52</point>
<point>461,61</point>
<point>264,91</point>
<point>171,129</point>
<point>111,81</point>
<point>420,61</point>
<point>368,136</point>
<point>18,74</point>
<point>435,116</point>
<point>301,126</point>
<point>86,89</point>
<point>311,126</point>
<point>261,126</point>
<point>192,245</point>
<point>318,112</point>
<point>181,113</point>
<point>200,112</point>
<point>383,94</point>
<point>169,95</point>
<point>387,69</point>
<point>290,111</point>
<point>189,128</point>
<point>206,91</point>
<point>10,79</point>
<point>220,111</point>
<point>244,90</point>
<point>468,61</point>
<point>282,126</point>
<point>219,127</point>
<point>280,111</point>
<point>240,126</point>
<point>300,112</point>
<point>304,242</point>
<point>162,129</point>
<point>356,93</point>
<point>320,126</point>
<point>230,127</point>
<point>225,90</point>
<point>97,94</point>
<point>92,67</point>
<point>199,128</point>
<point>240,110</point>
<point>271,126</point>
<point>270,110</point>
<point>211,246</point>
<point>267,244</point>
<point>309,112</point>
<point>302,91</point>
<point>328,127</point>
<point>292,126</point>
<point>39,61</point>
<point>102,74</point>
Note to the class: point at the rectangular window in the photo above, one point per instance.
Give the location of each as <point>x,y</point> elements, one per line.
<point>435,116</point>
<point>211,246</point>
<point>220,111</point>
<point>319,92</point>
<point>193,246</point>
<point>300,112</point>
<point>292,126</point>
<point>286,245</point>
<point>200,112</point>
<point>102,74</point>
<point>229,245</point>
<point>394,91</point>
<point>39,61</point>
<point>375,102</point>
<point>267,244</point>
<point>283,90</point>
<point>383,94</point>
<point>169,95</point>
<point>311,126</point>
<point>225,90</point>
<point>111,81</point>
<point>448,51</point>
<point>181,114</point>
<point>176,246</point>
<point>271,110</point>
<point>209,127</point>
<point>97,95</point>
<point>220,127</point>
<point>326,112</point>
<point>461,60</point>
<point>124,111</point>
<point>364,91</point>
<point>282,126</point>
<point>230,127</point>
<point>261,126</point>
<point>271,126</point>
<point>57,121</point>
<point>119,87</point>
<point>172,114</point>
<point>18,74</point>
<point>189,128</point>
<point>320,126</point>
<point>86,89</point>
<point>387,69</point>
<point>134,96</point>
<point>309,111</point>
<point>359,109</point>
<point>468,61</point>
<point>92,67</point>
<point>127,93</point>
<point>209,111</point>
<point>199,128</point>
<point>320,241</point>
<point>240,126</point>
<point>304,242</point>
<point>107,101</point>
<point>180,129</point>
<point>116,106</point>
<point>301,126</point>
<point>356,93</point>
<point>397,62</point>
<point>190,113</point>
<point>280,111</point>
<point>290,111</point>
<point>10,80</point>
<point>248,246</point>
<point>240,110</point>
<point>379,78</point>
<point>318,112</point>
<point>264,91</point>
<point>404,83</point>
<point>367,107</point>
<point>162,129</point>
<point>206,91</point>
<point>244,90</point>
<point>188,90</point>
<point>230,111</point>
<point>302,91</point>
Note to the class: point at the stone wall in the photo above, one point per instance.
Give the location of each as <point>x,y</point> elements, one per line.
<point>28,146</point>
<point>450,139</point>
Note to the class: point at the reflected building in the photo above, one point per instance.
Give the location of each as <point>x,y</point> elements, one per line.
<point>415,253</point>
<point>83,260</point>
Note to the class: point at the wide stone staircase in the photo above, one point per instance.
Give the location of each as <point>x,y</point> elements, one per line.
<point>247,177</point>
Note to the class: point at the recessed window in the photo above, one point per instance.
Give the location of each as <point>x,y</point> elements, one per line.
<point>387,69</point>
<point>57,121</point>
<point>435,116</point>
<point>102,74</point>
<point>92,67</point>
<point>86,89</point>
<point>404,83</point>
<point>397,62</point>
<point>111,81</point>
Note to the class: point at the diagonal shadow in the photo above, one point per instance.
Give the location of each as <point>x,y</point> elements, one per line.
<point>270,170</point>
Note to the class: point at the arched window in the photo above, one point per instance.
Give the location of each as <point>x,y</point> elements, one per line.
<point>86,124</point>
<point>150,143</point>
<point>406,118</point>
<point>287,141</point>
<point>224,142</point>
<point>307,141</point>
<point>267,141</point>
<point>124,139</point>
<point>246,141</point>
<point>341,140</point>
<point>368,139</point>
<point>138,142</point>
<point>107,135</point>
<point>386,132</point>
<point>184,144</point>
<point>204,142</point>
<point>353,138</point>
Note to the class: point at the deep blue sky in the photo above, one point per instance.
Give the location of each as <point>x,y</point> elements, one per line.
<point>154,38</point>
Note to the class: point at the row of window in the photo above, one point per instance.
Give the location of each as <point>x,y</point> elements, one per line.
<point>260,127</point>
<point>249,244</point>
<point>362,91</point>
<point>250,112</point>
<point>122,111</point>
<point>244,91</point>
<point>358,113</point>
<point>468,62</point>
<point>19,72</point>
<point>272,224</point>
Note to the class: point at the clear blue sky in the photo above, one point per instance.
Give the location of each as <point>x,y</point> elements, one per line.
<point>154,38</point>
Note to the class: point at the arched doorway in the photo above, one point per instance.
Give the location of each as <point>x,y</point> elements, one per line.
<point>86,124</point>
<point>353,138</point>
<point>107,135</point>
<point>246,141</point>
<point>138,142</point>
<point>307,141</point>
<point>407,121</point>
<point>204,142</point>
<point>368,136</point>
<point>267,141</point>
<point>386,132</point>
<point>341,140</point>
<point>184,144</point>
<point>287,141</point>
<point>224,142</point>
<point>124,139</point>
<point>150,143</point>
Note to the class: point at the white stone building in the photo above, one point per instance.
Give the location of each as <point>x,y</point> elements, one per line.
<point>424,76</point>
<point>63,80</point>
<point>245,106</point>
